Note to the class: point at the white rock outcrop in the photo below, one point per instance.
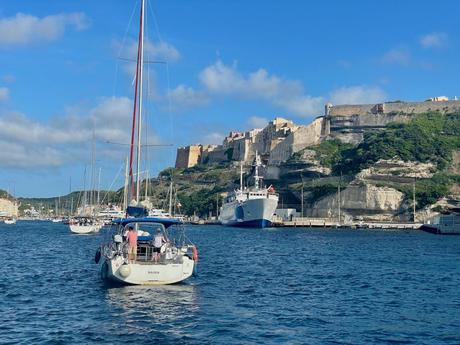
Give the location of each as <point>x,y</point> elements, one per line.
<point>361,200</point>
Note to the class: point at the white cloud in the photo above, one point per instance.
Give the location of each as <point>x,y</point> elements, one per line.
<point>183,96</point>
<point>24,29</point>
<point>399,56</point>
<point>213,138</point>
<point>8,78</point>
<point>16,155</point>
<point>357,95</point>
<point>28,143</point>
<point>4,94</point>
<point>153,52</point>
<point>433,40</point>
<point>257,122</point>
<point>220,79</point>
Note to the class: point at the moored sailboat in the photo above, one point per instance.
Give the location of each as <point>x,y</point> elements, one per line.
<point>166,258</point>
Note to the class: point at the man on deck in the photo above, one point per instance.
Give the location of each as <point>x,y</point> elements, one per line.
<point>132,244</point>
<point>158,243</point>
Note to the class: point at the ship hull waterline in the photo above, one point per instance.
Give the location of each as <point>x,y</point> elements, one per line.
<point>252,213</point>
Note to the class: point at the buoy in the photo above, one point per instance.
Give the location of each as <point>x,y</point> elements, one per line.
<point>97,256</point>
<point>124,270</point>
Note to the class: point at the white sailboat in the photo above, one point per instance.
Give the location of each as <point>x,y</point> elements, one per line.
<point>169,260</point>
<point>85,222</point>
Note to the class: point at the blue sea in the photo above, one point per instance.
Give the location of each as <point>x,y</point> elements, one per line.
<point>271,286</point>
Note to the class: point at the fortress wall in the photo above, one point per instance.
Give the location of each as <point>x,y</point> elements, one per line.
<point>304,136</point>
<point>397,107</point>
<point>188,156</point>
<point>349,122</point>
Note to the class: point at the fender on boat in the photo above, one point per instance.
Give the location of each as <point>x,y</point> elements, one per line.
<point>97,256</point>
<point>195,254</point>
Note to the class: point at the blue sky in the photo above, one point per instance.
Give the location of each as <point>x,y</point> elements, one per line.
<point>232,65</point>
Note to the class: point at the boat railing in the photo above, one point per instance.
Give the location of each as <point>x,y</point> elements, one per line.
<point>148,254</point>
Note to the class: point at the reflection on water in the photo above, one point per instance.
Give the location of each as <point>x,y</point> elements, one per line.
<point>166,304</point>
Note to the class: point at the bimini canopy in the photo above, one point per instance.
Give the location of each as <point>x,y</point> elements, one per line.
<point>167,222</point>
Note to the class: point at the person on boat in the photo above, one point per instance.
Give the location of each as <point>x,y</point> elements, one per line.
<point>132,244</point>
<point>158,242</point>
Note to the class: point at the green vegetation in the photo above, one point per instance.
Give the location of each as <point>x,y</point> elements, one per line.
<point>202,202</point>
<point>319,188</point>
<point>331,152</point>
<point>427,191</point>
<point>429,137</point>
<point>4,194</point>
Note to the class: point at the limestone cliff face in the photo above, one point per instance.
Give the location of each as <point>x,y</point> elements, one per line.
<point>8,208</point>
<point>361,200</point>
<point>397,169</point>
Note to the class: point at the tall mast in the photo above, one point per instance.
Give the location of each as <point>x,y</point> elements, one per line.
<point>170,198</point>
<point>146,186</point>
<point>125,190</point>
<point>93,175</point>
<point>99,186</point>
<point>256,173</point>
<point>84,202</point>
<point>133,128</point>
<point>139,124</point>
<point>241,176</point>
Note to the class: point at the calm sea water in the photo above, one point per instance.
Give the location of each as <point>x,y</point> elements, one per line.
<point>273,286</point>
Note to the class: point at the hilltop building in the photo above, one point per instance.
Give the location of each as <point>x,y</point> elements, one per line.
<point>281,138</point>
<point>349,122</point>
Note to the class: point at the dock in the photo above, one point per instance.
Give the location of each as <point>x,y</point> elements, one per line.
<point>334,223</point>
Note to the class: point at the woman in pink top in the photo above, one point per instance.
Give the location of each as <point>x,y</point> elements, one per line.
<point>132,244</point>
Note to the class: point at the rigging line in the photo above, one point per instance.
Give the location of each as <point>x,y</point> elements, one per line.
<point>113,182</point>
<point>146,62</point>
<point>121,47</point>
<point>171,124</point>
<point>147,145</point>
<point>155,20</point>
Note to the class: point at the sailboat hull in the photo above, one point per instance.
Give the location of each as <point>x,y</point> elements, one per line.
<point>146,273</point>
<point>84,229</point>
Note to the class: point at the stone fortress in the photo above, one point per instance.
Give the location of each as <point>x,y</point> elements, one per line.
<point>281,138</point>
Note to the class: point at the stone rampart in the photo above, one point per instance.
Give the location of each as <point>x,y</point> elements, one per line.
<point>394,107</point>
<point>188,156</point>
<point>304,136</point>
